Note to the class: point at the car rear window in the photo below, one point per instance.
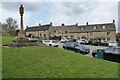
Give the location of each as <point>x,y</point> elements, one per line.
<point>54,41</point>
<point>46,41</point>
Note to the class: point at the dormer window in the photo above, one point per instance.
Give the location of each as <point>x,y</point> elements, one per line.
<point>103,27</point>
<point>94,27</point>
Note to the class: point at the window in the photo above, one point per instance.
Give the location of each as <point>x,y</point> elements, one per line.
<point>72,36</point>
<point>108,39</point>
<point>94,27</point>
<point>66,36</point>
<point>40,35</point>
<point>44,35</point>
<point>108,33</point>
<point>91,33</point>
<point>108,50</point>
<point>66,31</point>
<point>78,37</point>
<point>81,28</point>
<point>103,27</point>
<point>54,31</point>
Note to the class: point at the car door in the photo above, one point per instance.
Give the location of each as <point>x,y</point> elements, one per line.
<point>108,55</point>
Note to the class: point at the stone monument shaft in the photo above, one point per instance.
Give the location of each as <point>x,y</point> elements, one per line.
<point>21,34</point>
<point>21,9</point>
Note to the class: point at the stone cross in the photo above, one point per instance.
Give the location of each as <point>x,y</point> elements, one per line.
<point>21,33</point>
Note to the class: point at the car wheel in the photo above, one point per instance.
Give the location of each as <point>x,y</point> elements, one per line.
<point>95,55</point>
<point>50,45</point>
<point>65,48</point>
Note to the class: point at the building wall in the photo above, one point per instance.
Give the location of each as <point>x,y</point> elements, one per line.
<point>40,34</point>
<point>65,32</point>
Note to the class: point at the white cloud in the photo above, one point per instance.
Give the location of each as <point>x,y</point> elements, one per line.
<point>59,0</point>
<point>100,11</point>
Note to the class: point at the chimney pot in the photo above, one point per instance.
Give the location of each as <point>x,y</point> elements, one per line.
<point>62,24</point>
<point>76,24</point>
<point>39,25</point>
<point>50,23</point>
<point>113,21</point>
<point>86,23</point>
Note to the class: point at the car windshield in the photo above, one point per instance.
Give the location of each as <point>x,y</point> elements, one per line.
<point>54,41</point>
<point>46,41</point>
<point>108,49</point>
<point>117,50</point>
<point>77,45</point>
<point>112,42</point>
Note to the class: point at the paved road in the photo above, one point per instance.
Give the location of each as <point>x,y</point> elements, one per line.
<point>93,48</point>
<point>89,46</point>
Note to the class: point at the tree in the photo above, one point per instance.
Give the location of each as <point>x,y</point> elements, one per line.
<point>12,23</point>
<point>17,31</point>
<point>11,26</point>
<point>5,30</point>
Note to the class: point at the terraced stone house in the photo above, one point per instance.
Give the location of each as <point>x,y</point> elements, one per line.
<point>105,31</point>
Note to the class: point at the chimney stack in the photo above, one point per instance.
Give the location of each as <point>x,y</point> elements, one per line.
<point>26,26</point>
<point>50,23</point>
<point>76,24</point>
<point>62,24</point>
<point>39,25</point>
<point>113,21</point>
<point>86,23</point>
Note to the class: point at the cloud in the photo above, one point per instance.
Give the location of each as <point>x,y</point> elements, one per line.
<point>59,0</point>
<point>62,12</point>
<point>29,6</point>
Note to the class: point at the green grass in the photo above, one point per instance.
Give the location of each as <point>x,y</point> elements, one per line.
<point>7,39</point>
<point>49,62</point>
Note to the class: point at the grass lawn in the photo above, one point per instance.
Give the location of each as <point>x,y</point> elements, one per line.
<point>49,62</point>
<point>7,39</point>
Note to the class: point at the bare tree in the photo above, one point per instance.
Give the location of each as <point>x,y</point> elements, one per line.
<point>11,26</point>
<point>12,23</point>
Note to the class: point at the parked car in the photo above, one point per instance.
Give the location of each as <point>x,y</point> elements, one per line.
<point>87,42</point>
<point>53,43</point>
<point>104,43</point>
<point>64,40</point>
<point>79,41</point>
<point>76,47</point>
<point>111,44</point>
<point>32,39</point>
<point>39,40</point>
<point>111,54</point>
<point>96,42</point>
<point>83,41</point>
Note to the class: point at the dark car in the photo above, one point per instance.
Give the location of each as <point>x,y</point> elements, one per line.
<point>96,42</point>
<point>111,54</point>
<point>76,47</point>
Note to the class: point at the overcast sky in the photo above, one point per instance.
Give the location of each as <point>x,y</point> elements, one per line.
<point>72,12</point>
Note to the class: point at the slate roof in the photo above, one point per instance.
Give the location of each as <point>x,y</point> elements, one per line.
<point>99,28</point>
<point>38,28</point>
<point>75,28</point>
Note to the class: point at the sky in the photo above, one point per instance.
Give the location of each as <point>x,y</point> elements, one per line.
<point>68,12</point>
